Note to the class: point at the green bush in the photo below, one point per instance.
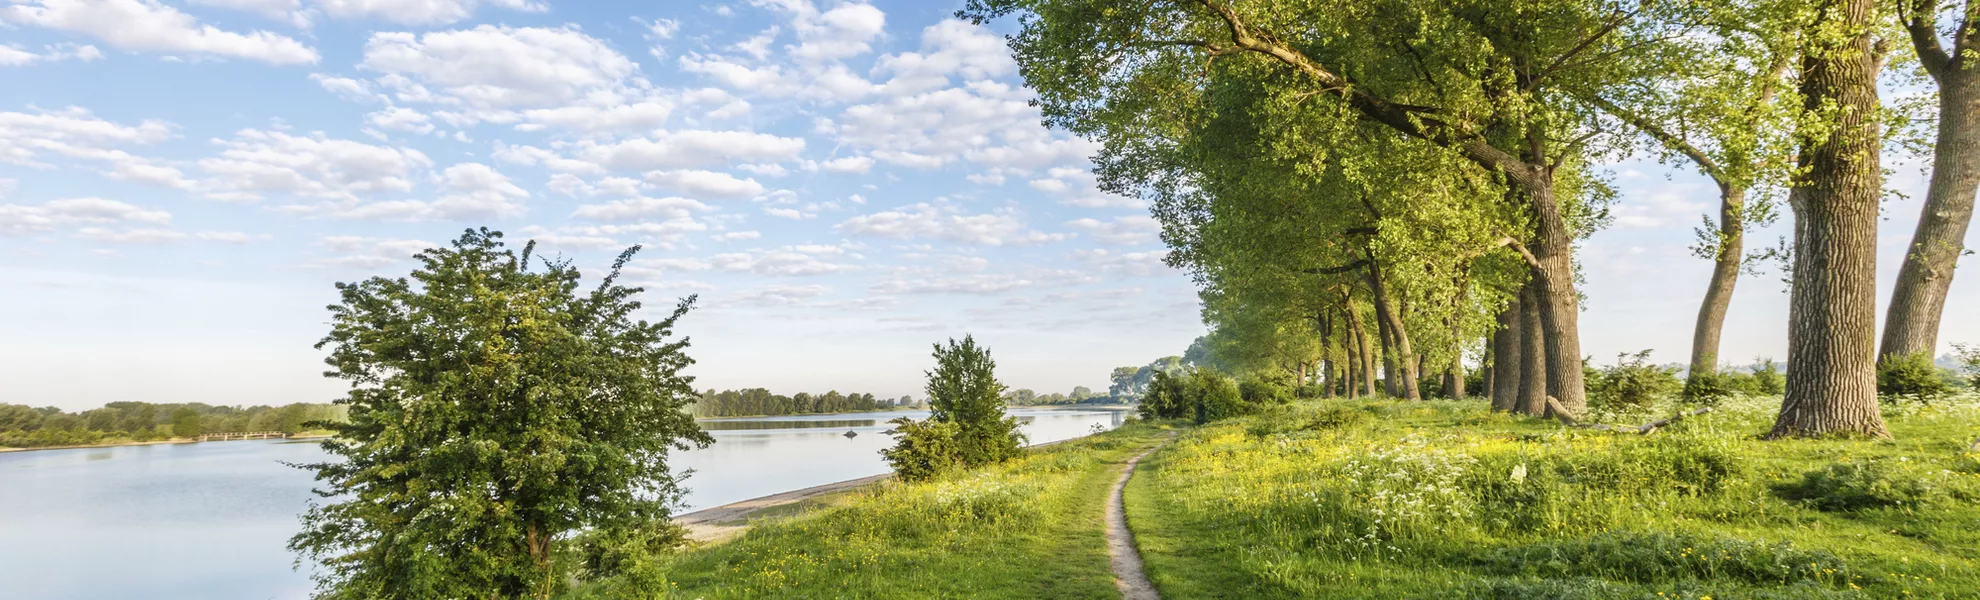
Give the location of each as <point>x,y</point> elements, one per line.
<point>1264,392</point>
<point>1709,388</point>
<point>1969,363</point>
<point>923,450</point>
<point>1912,377</point>
<point>1200,394</point>
<point>1769,379</point>
<point>1632,383</point>
<point>1861,485</point>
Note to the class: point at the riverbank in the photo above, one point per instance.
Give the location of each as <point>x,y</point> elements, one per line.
<point>176,440</point>
<point>1031,528</point>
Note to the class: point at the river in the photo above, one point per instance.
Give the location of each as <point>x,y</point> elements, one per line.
<point>212,520</point>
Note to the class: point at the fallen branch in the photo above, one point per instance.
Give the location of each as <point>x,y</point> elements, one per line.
<point>1554,407</point>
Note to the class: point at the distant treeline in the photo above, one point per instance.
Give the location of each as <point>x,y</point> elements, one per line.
<point>28,427</point>
<point>755,402</point>
<point>1079,395</point>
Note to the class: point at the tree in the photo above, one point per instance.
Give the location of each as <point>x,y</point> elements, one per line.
<point>495,412</point>
<point>185,422</point>
<point>1911,326</point>
<point>1832,318</point>
<point>963,389</point>
<point>1476,80</point>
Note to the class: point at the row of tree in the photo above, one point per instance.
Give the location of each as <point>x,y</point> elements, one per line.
<point>760,402</point>
<point>1027,397</point>
<point>28,427</point>
<point>1390,186</point>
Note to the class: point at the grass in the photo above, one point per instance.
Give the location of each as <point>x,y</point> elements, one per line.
<point>1341,499</point>
<point>1030,528</point>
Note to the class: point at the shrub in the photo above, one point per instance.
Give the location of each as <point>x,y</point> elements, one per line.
<point>1201,394</point>
<point>1632,383</point>
<point>1264,392</point>
<point>1910,376</point>
<point>1854,486</point>
<point>923,450</point>
<point>1709,388</point>
<point>1767,378</point>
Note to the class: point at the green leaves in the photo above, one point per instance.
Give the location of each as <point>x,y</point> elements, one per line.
<point>495,411</point>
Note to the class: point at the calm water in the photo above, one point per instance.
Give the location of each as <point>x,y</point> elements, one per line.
<point>211,520</point>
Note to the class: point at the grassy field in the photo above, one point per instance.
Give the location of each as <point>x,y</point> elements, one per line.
<point>1031,528</point>
<point>1440,499</point>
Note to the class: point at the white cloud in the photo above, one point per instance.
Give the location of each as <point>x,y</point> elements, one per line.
<point>290,12</point>
<point>922,283</point>
<point>635,209</point>
<point>129,236</point>
<point>1675,205</point>
<point>736,235</point>
<point>27,139</point>
<point>492,68</point>
<point>693,148</point>
<point>843,32</point>
<point>987,123</point>
<point>775,295</point>
<point>1077,187</point>
<point>850,164</point>
<point>1135,264</point>
<point>950,47</point>
<point>789,213</point>
<point>259,162</point>
<point>14,56</point>
<point>705,184</point>
<point>349,89</point>
<point>476,193</point>
<point>399,118</point>
<point>927,221</point>
<point>777,261</point>
<point>1128,230</point>
<point>367,252</point>
<point>148,26</point>
<point>231,237</point>
<point>417,12</point>
<point>16,219</point>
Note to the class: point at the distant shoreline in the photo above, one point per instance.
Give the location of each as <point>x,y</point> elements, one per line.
<point>3,450</point>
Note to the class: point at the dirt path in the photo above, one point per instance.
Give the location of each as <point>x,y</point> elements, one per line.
<point>1128,574</point>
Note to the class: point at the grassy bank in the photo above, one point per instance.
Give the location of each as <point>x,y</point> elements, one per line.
<point>1031,528</point>
<point>1438,499</point>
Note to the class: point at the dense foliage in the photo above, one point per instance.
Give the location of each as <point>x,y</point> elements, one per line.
<point>754,402</point>
<point>495,412</point>
<point>966,400</point>
<point>28,427</point>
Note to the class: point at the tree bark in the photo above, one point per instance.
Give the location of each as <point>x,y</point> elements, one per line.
<point>1911,324</point>
<point>1454,378</point>
<point>1367,353</point>
<point>1555,299</point>
<point>1387,351</point>
<point>1718,291</point>
<point>1533,358</point>
<point>1404,356</point>
<point>1832,318</point>
<point>1326,356</point>
<point>1485,361</point>
<point>1508,349</point>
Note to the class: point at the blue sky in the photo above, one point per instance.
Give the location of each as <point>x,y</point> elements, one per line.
<point>843,183</point>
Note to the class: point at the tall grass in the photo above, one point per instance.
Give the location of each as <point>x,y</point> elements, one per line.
<point>1028,528</point>
<point>1440,499</point>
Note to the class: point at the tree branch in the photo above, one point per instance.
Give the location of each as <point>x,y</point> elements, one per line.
<point>1921,21</point>
<point>1337,270</point>
<point>1663,136</point>
<point>1614,22</point>
<point>1405,120</point>
<point>1509,242</point>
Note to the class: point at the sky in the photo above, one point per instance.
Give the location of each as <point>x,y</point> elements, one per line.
<point>841,183</point>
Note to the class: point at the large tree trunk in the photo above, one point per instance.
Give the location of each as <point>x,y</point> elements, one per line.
<point>1403,355</point>
<point>1718,292</point>
<point>1388,354</point>
<point>1555,298</point>
<point>1326,356</point>
<point>1485,361</point>
<point>1508,362</point>
<point>1832,318</point>
<point>1454,378</point>
<point>1367,354</point>
<point>1912,324</point>
<point>1533,358</point>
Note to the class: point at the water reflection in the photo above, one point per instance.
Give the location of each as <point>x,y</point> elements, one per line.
<point>211,520</point>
